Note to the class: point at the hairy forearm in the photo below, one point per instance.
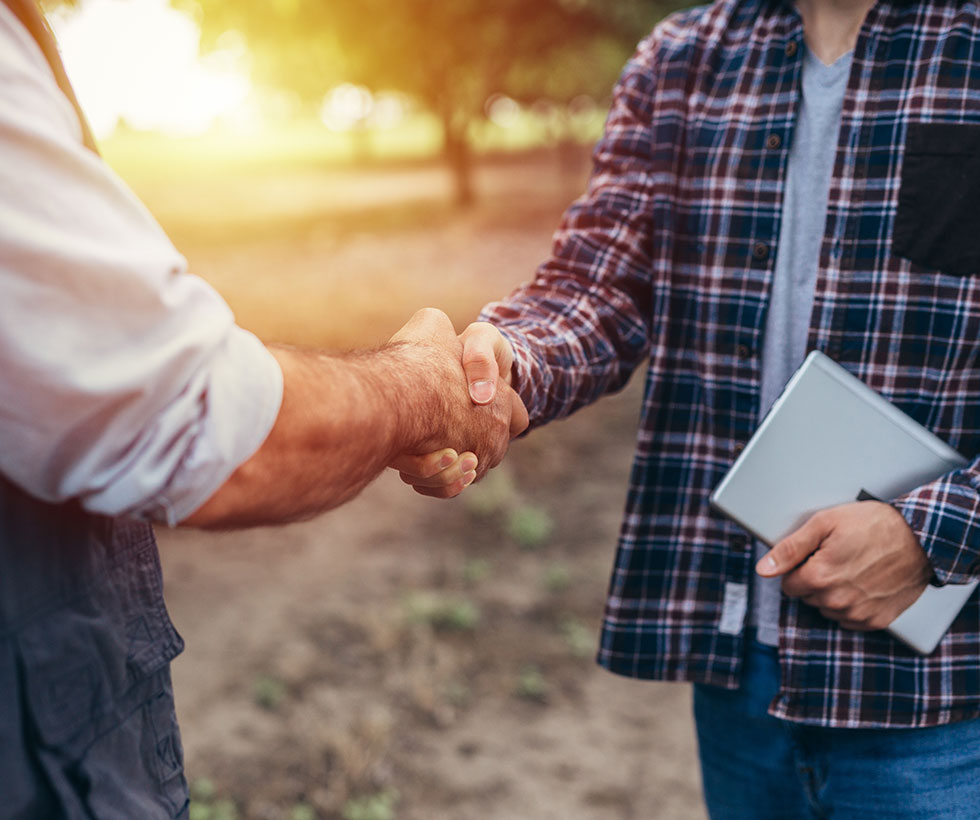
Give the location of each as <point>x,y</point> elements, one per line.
<point>342,420</point>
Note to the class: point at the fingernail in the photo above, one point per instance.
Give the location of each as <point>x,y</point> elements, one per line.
<point>446,460</point>
<point>766,565</point>
<point>482,391</point>
<point>468,464</point>
<point>469,478</point>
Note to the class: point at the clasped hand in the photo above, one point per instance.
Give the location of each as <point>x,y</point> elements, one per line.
<point>860,564</point>
<point>478,412</point>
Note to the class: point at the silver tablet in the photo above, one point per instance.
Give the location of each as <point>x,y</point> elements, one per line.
<point>830,439</point>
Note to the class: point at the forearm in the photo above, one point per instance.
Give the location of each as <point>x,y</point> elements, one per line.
<point>571,344</point>
<point>583,324</point>
<point>342,420</point>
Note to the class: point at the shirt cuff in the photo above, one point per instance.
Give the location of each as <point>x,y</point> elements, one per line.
<point>239,408</point>
<point>531,379</point>
<point>945,516</point>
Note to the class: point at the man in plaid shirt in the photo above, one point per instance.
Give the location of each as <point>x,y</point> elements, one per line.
<point>775,179</point>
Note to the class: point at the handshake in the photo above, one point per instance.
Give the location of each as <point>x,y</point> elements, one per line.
<point>437,407</point>
<point>464,412</point>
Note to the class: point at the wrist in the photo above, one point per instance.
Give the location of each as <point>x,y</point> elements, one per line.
<point>414,390</point>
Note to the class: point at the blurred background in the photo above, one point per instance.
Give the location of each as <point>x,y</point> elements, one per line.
<point>330,167</point>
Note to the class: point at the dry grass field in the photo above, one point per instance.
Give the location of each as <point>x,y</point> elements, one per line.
<point>402,658</point>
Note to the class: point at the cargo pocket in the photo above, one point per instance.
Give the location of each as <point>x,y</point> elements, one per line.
<point>136,769</point>
<point>99,698</point>
<point>937,225</point>
<point>122,758</point>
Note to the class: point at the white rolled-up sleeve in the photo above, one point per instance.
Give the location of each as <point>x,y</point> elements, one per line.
<point>125,383</point>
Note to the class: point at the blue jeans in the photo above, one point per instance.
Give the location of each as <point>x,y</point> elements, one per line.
<point>756,767</point>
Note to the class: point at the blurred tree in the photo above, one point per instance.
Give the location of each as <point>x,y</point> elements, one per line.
<point>450,55</point>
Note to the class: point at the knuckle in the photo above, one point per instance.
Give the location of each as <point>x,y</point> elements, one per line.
<point>434,468</point>
<point>819,576</point>
<point>788,549</point>
<point>429,313</point>
<point>477,357</point>
<point>837,600</point>
<point>483,328</point>
<point>820,522</point>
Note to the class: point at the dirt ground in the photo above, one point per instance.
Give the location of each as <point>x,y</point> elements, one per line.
<point>402,658</point>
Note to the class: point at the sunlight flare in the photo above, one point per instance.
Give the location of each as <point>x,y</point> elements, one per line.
<point>139,62</point>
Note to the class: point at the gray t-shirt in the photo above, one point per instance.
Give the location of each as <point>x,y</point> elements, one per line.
<point>808,172</point>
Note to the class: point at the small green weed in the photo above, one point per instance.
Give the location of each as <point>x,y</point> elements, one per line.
<point>380,806</point>
<point>476,570</point>
<point>202,788</point>
<point>491,495</point>
<point>531,684</point>
<point>443,612</point>
<point>206,806</point>
<point>530,526</point>
<point>219,810</point>
<point>557,578</point>
<point>578,637</point>
<point>268,692</point>
<point>302,811</point>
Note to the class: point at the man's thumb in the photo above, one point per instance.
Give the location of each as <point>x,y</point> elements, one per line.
<point>793,550</point>
<point>480,366</point>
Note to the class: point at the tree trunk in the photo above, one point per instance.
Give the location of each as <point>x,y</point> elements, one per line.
<point>456,150</point>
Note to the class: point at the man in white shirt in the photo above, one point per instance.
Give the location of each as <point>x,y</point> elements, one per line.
<point>129,395</point>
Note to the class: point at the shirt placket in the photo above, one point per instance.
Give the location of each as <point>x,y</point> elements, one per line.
<point>808,661</point>
<point>763,166</point>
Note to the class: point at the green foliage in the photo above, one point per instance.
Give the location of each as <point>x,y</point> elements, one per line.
<point>557,578</point>
<point>268,692</point>
<point>531,684</point>
<point>477,570</point>
<point>449,55</point>
<point>493,494</point>
<point>578,637</point>
<point>202,789</point>
<point>443,612</point>
<point>302,811</point>
<point>530,526</point>
<point>205,804</point>
<point>380,806</point>
<point>218,810</point>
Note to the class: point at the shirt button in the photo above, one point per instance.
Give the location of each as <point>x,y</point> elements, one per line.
<point>743,351</point>
<point>740,542</point>
<point>774,141</point>
<point>760,250</point>
<point>737,449</point>
<point>791,48</point>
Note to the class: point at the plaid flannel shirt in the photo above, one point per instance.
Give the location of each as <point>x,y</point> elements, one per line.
<point>669,257</point>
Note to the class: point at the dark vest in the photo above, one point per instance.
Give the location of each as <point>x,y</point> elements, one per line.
<point>87,723</point>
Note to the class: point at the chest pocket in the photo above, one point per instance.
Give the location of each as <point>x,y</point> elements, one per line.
<point>938,221</point>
